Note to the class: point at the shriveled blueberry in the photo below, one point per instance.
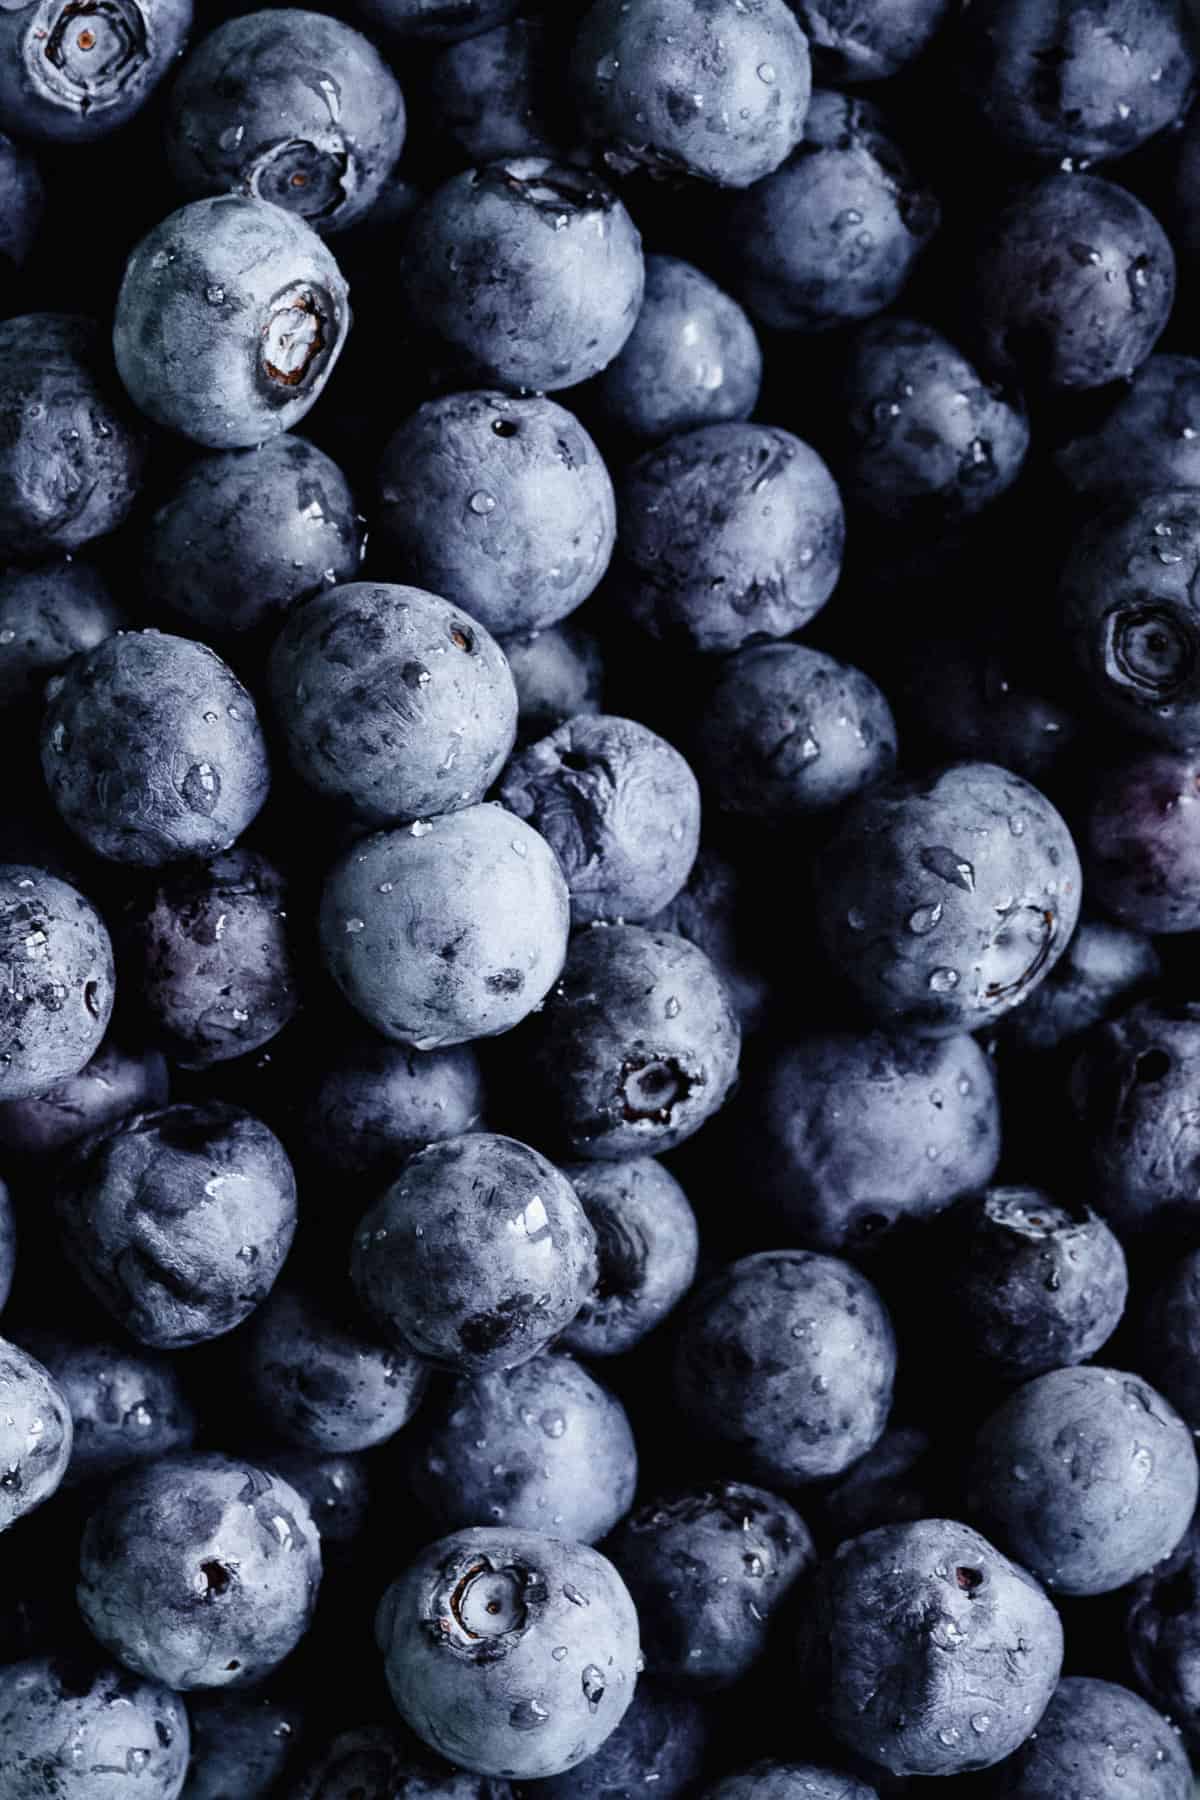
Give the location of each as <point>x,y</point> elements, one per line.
<point>56,995</point>
<point>1142,841</point>
<point>437,21</point>
<point>1103,968</point>
<point>127,1405</point>
<point>559,674</point>
<point>47,614</point>
<point>80,1729</point>
<point>22,201</point>
<point>1098,1739</point>
<point>373,1104</point>
<point>385,1762</point>
<point>1163,1633</point>
<point>850,43</point>
<point>647,1246</point>
<point>116,1082</point>
<point>710,912</point>
<point>35,1434</point>
<point>788,1781</point>
<point>1147,442</point>
<point>334,1486</point>
<point>72,71</point>
<point>497,94</point>
<point>242,1745</point>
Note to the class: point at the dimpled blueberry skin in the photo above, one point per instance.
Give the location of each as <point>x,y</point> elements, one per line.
<point>230,318</point>
<point>1149,440</point>
<point>559,674</point>
<point>530,271</point>
<point>334,1486</point>
<point>707,1568</point>
<point>852,43</point>
<point>86,1730</point>
<point>727,533</point>
<point>661,1740</point>
<point>647,1248</point>
<point>448,931</point>
<point>57,993</point>
<point>944,899</point>
<point>476,1256</point>
<point>384,1762</point>
<point>619,807</point>
<point>71,73</point>
<point>470,1634</point>
<point>831,236</point>
<point>786,732</point>
<point>929,1652</point>
<point>242,1745</point>
<point>113,1084</point>
<point>245,535</point>
<point>1101,968</point>
<point>786,1361</point>
<point>199,1571</point>
<point>46,615</point>
<point>1087,1475</point>
<point>557,1452</point>
<point>504,505</point>
<point>127,1405</point>
<point>35,1434</point>
<point>691,359</point>
<point>1141,841</point>
<point>789,1781</point>
<point>637,1047</point>
<point>847,1135</point>
<point>1072,284</point>
<point>152,750</point>
<point>71,450</point>
<point>373,1104</point>
<point>708,88</point>
<point>272,96</point>
<point>179,1221</point>
<point>1163,1633</point>
<point>1098,1739</point>
<point>320,1383</point>
<point>1168,1337</point>
<point>392,703</point>
<point>22,202</point>
<point>437,21</point>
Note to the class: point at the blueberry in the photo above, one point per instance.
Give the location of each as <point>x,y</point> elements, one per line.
<point>385,1763</point>
<point>1102,968</point>
<point>245,535</point>
<point>849,44</point>
<point>71,451</point>
<point>833,235</point>
<point>725,534</point>
<point>72,71</point>
<point>22,201</point>
<point>320,1383</point>
<point>945,899</point>
<point>1087,1475</point>
<point>8,1244</point>
<point>35,1434</point>
<point>1163,1627</point>
<point>1072,283</point>
<point>495,95</point>
<point>78,1728</point>
<point>707,1569</point>
<point>46,615</point>
<point>56,995</point>
<point>335,1488</point>
<point>559,674</point>
<point>179,1221</point>
<point>788,1781</point>
<point>116,1082</point>
<point>786,1361</point>
<point>542,1447</point>
<point>1098,1739</point>
<point>289,106</point>
<point>1142,839</point>
<point>127,1405</point>
<point>530,272</point>
<point>230,318</point>
<point>893,1484</point>
<point>1146,442</point>
<point>484,910</point>
<point>717,90</point>
<point>647,1246</point>
<point>1168,1337</point>
<point>242,1745</point>
<point>846,1136</point>
<point>437,21</point>
<point>662,1739</point>
<point>199,1571</point>
<point>477,1255</point>
<point>893,1618</point>
<point>710,911</point>
<point>637,1047</point>
<point>472,1634</point>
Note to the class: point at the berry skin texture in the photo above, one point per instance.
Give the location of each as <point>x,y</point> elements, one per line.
<point>35,1434</point>
<point>647,1247</point>
<point>57,994</point>
<point>79,1728</point>
<point>1098,1739</point>
<point>71,73</point>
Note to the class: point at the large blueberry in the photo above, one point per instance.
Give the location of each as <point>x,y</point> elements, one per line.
<point>1098,1739</point>
<point>79,1728</point>
<point>35,1434</point>
<point>127,1404</point>
<point>116,1082</point>
<point>56,981</point>
<point>47,613</point>
<point>647,1246</point>
<point>72,71</point>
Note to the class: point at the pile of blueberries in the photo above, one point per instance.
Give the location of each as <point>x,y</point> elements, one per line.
<point>599,900</point>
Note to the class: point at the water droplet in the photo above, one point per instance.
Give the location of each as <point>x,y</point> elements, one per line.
<point>593,1685</point>
<point>355,925</point>
<point>944,981</point>
<point>6,636</point>
<point>925,918</point>
<point>949,1735</point>
<point>553,1424</point>
<point>980,1722</point>
<point>855,920</point>
<point>528,1715</point>
<point>766,73</point>
<point>420,828</point>
<point>481,502</point>
<point>214,294</point>
<point>560,1654</point>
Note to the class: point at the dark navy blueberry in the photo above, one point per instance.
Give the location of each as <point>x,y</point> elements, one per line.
<point>447,931</point>
<point>850,43</point>
<point>707,1569</point>
<point>320,1383</point>
<point>727,533</point>
<point>292,107</point>
<point>1087,1476</point>
<point>392,703</point>
<point>786,1361</point>
<point>230,318</point>
<point>893,1484</point>
<point>927,439</point>
<point>1168,1337</point>
<point>247,534</point>
<point>846,1136</point>
<point>71,450</point>
<point>530,272</point>
<point>47,614</point>
<point>944,899</point>
<point>662,1741</point>
<point>476,1257</point>
<point>636,1048</point>
<point>928,1651</point>
<point>542,1447</point>
<point>116,1082</point>
<point>496,94</point>
<point>35,1434</point>
<point>334,1486</point>
<point>559,674</point>
<point>1141,842</point>
<point>179,1221</point>
<point>1099,1740</point>
<point>789,1781</point>
<point>372,1104</point>
<point>1147,442</point>
<point>199,1571</point>
<point>81,1729</point>
<point>152,750</point>
<point>691,359</point>
<point>242,1745</point>
<point>436,21</point>
<point>1085,83</point>
<point>385,1762</point>
<point>647,1247</point>
<point>22,201</point>
<point>1163,1631</point>
<point>56,995</point>
<point>709,911</point>
<point>1072,284</point>
<point>714,89</point>
<point>833,235</point>
<point>72,71</point>
<point>511,1652</point>
<point>786,732</point>
<point>127,1405</point>
<point>1031,1285</point>
<point>503,505</point>
<point>1102,968</point>
<point>8,1244</point>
